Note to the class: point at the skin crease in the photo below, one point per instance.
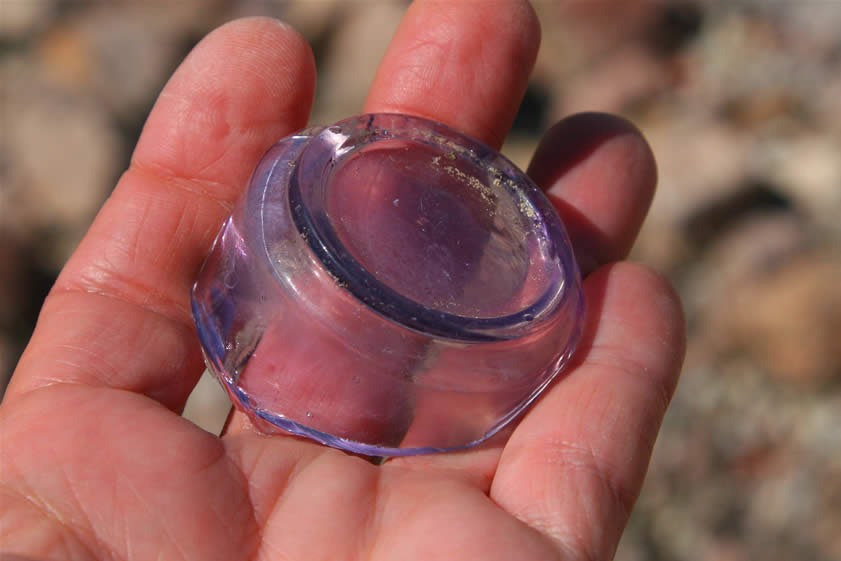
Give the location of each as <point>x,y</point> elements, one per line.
<point>95,462</point>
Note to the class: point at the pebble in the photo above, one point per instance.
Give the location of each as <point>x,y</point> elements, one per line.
<point>22,18</point>
<point>62,155</point>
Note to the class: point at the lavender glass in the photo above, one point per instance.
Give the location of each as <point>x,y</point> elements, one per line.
<point>388,286</point>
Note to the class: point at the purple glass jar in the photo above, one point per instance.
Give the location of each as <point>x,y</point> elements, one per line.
<point>388,286</point>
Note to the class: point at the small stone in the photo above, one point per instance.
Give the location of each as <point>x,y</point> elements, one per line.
<point>617,82</point>
<point>746,252</point>
<point>60,161</point>
<point>809,171</point>
<point>20,19</point>
<point>315,19</point>
<point>787,320</point>
<point>132,53</point>
<point>208,405</point>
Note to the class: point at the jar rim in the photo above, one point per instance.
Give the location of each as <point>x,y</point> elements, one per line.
<point>352,276</point>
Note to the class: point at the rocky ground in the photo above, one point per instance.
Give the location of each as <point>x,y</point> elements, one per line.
<point>741,101</point>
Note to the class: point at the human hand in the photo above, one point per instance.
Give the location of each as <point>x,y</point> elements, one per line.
<point>95,461</point>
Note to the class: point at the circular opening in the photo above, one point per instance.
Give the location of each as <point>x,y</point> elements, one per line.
<point>427,226</point>
<point>430,228</point>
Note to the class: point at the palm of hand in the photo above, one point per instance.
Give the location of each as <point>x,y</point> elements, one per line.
<point>96,463</point>
<point>123,462</point>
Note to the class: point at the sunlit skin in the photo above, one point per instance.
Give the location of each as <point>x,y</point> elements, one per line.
<point>96,462</point>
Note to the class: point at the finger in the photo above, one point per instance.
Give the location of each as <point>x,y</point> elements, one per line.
<point>574,466</point>
<point>600,174</point>
<point>119,314</point>
<point>465,64</point>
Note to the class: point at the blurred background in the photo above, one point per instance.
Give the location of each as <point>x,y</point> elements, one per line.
<point>741,101</point>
